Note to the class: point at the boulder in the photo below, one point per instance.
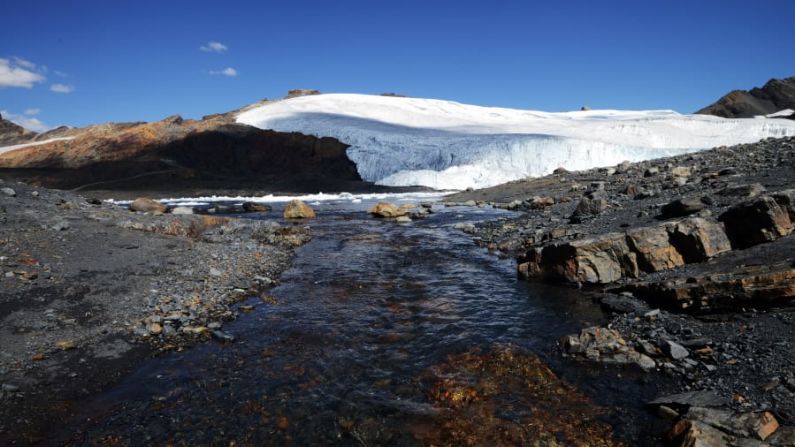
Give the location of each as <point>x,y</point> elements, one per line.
<point>745,191</point>
<point>605,345</point>
<point>786,199</point>
<point>755,221</point>
<point>297,209</point>
<point>590,207</point>
<point>387,210</point>
<point>598,260</point>
<point>699,239</point>
<point>254,207</point>
<point>541,202</point>
<point>182,210</point>
<point>681,171</point>
<point>681,208</point>
<point>145,205</point>
<point>8,191</point>
<point>752,286</point>
<point>653,248</point>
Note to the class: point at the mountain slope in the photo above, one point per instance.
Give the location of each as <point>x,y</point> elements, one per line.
<point>11,133</point>
<point>774,96</point>
<point>178,154</point>
<point>399,141</point>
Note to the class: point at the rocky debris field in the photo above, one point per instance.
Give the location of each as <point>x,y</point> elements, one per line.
<point>694,257</point>
<point>88,289</point>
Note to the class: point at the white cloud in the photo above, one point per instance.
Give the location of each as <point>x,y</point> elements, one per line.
<point>62,88</point>
<point>19,73</point>
<point>214,47</point>
<point>32,111</point>
<point>24,63</point>
<point>27,122</point>
<point>61,74</point>
<point>228,71</point>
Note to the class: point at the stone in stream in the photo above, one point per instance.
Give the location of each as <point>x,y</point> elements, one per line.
<point>223,336</point>
<point>254,207</point>
<point>182,210</point>
<point>146,205</point>
<point>8,191</point>
<point>297,209</point>
<point>387,210</point>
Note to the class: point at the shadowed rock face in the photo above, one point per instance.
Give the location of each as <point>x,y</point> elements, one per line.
<point>175,150</point>
<point>11,134</point>
<point>775,95</point>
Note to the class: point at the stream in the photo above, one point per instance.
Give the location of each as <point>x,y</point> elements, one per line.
<point>382,334</point>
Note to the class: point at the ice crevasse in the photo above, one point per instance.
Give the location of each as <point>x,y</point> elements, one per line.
<point>398,141</point>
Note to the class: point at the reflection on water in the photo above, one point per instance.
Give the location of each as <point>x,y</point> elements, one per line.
<point>381,333</point>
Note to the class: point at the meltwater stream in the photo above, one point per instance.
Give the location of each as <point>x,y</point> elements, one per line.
<point>380,333</point>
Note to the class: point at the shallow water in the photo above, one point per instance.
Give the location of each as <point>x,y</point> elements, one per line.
<point>372,320</point>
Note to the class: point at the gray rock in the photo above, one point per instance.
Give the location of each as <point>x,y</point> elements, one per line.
<point>675,350</point>
<point>8,191</point>
<point>223,336</point>
<point>182,210</point>
<point>61,226</point>
<point>215,272</point>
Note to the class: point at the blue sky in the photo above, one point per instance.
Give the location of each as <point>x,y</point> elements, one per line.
<point>85,62</point>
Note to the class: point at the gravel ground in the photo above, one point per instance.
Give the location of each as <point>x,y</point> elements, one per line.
<point>87,291</point>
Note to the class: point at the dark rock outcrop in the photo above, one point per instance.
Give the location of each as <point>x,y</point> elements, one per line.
<point>11,133</point>
<point>774,96</point>
<point>175,151</point>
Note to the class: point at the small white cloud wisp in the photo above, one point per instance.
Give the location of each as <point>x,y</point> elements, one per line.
<point>62,88</point>
<point>228,71</point>
<point>214,47</point>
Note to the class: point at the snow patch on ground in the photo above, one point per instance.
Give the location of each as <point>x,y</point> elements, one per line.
<point>399,141</point>
<point>5,149</point>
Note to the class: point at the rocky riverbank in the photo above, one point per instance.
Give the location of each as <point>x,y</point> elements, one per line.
<point>88,290</point>
<point>693,255</point>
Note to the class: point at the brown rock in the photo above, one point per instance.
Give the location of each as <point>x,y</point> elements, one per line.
<point>384,209</point>
<point>744,191</point>
<point>654,249</point>
<point>681,208</point>
<point>760,285</point>
<point>606,346</point>
<point>598,260</point>
<point>756,221</point>
<point>590,207</point>
<point>254,207</point>
<point>297,209</point>
<point>145,205</point>
<point>699,239</point>
<point>541,202</point>
<point>681,171</point>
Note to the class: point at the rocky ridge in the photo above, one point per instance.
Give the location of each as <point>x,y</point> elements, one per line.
<point>776,95</point>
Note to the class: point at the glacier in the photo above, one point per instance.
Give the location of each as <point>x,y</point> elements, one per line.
<point>399,141</point>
